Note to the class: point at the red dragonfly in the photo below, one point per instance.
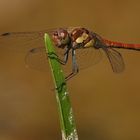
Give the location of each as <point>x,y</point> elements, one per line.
<point>82,45</point>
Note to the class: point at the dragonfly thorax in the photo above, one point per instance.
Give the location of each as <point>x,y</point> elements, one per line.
<point>81,38</point>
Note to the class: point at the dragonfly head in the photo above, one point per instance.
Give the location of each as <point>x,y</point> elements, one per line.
<point>61,38</point>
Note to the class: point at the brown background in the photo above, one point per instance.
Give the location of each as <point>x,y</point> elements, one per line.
<point>106,105</point>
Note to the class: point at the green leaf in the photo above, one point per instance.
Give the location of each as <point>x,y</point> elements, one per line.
<point>68,127</point>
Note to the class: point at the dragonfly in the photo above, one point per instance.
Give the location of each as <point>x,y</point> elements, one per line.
<point>76,47</point>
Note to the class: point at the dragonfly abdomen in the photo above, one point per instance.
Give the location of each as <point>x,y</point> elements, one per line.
<point>121,45</point>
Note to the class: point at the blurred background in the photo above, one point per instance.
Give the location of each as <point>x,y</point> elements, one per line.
<point>106,105</point>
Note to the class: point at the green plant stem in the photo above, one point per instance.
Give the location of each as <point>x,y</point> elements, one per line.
<point>67,122</point>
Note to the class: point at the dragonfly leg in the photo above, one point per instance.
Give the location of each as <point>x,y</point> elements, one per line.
<point>75,68</point>
<point>55,56</point>
<point>66,55</point>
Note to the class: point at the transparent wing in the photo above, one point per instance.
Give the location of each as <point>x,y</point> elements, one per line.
<point>38,59</point>
<point>88,57</point>
<point>115,59</point>
<point>85,57</point>
<point>23,41</point>
<point>30,43</point>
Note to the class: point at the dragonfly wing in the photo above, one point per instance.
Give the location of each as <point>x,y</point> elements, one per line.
<point>85,57</point>
<point>88,57</point>
<point>30,43</point>
<point>115,58</point>
<point>23,41</point>
<point>37,59</point>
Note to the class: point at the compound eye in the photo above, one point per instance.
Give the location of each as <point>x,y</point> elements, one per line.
<point>55,33</point>
<point>65,38</point>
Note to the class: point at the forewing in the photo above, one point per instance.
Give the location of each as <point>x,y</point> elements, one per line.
<point>23,41</point>
<point>20,42</point>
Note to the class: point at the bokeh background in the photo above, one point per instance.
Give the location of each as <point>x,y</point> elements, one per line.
<point>106,105</point>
